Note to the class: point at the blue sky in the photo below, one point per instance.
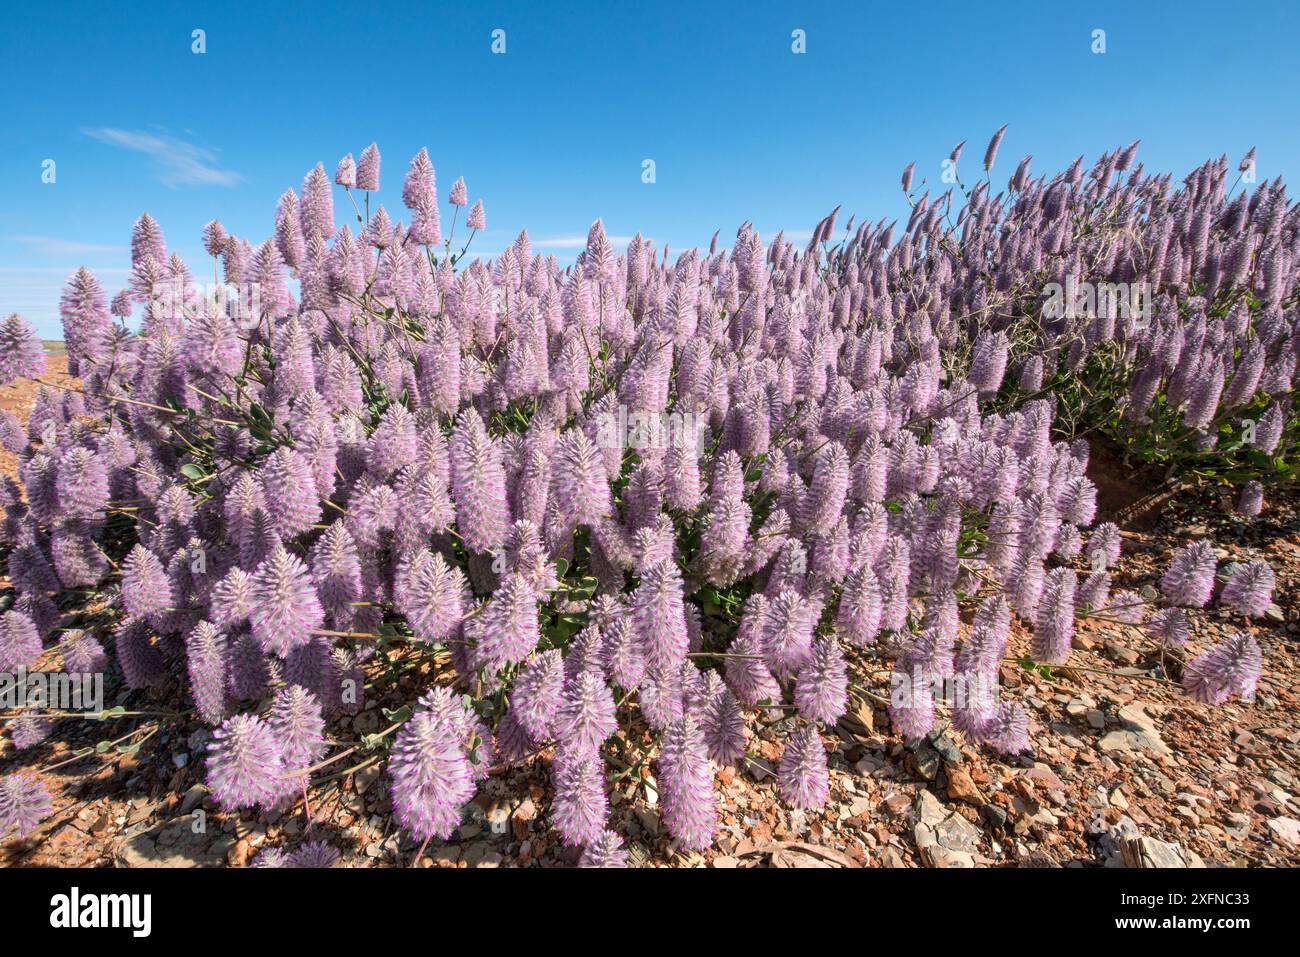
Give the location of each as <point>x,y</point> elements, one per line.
<point>552,134</point>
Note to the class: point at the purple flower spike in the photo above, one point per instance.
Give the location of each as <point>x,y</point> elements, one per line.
<point>802,776</point>
<point>1250,589</point>
<point>431,594</point>
<point>393,443</point>
<point>1170,627</point>
<point>659,616</point>
<point>420,194</point>
<point>478,485</point>
<point>1007,730</point>
<point>244,764</point>
<point>822,688</point>
<point>431,776</point>
<point>298,727</point>
<point>476,219</point>
<point>232,599</point>
<point>747,671</point>
<point>205,661</point>
<point>787,633</point>
<point>315,855</point>
<point>289,492</point>
<point>215,238</point>
<point>507,629</point>
<point>21,354</point>
<point>285,609</point>
<point>581,486</point>
<point>723,725</point>
<point>29,730</point>
<point>825,500</point>
<point>82,653</point>
<point>147,241</point>
<point>911,702</point>
<point>271,858</point>
<point>580,802</point>
<point>146,588</point>
<point>538,694</point>
<point>858,618</point>
<point>686,786</point>
<point>1251,502</point>
<point>586,718</point>
<point>24,802</point>
<point>20,644</point>
<point>606,850</point>
<point>1267,433</point>
<point>367,171</point>
<point>345,174</point>
<point>1231,667</point>
<point>336,569</point>
<point>1054,622</point>
<point>991,154</point>
<point>1189,580</point>
<point>141,662</point>
<point>623,655</point>
<point>12,437</point>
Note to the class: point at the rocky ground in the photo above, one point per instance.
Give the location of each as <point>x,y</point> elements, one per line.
<point>1127,770</point>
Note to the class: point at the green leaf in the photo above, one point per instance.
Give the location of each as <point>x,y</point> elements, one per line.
<point>107,713</point>
<point>397,714</point>
<point>192,471</point>
<point>103,747</point>
<point>585,587</point>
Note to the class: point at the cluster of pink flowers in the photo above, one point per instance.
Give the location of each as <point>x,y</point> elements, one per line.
<point>415,453</point>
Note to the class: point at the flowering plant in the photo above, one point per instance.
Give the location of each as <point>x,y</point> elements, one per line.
<point>674,495</point>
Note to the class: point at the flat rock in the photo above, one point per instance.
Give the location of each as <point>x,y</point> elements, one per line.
<point>946,748</point>
<point>925,761</point>
<point>860,806</point>
<point>962,788</point>
<point>1149,852</point>
<point>928,809</point>
<point>1286,830</point>
<point>192,798</point>
<point>945,858</point>
<point>890,857</point>
<point>1137,732</point>
<point>896,804</point>
<point>956,833</point>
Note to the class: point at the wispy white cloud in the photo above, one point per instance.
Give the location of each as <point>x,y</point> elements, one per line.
<point>178,163</point>
<point>55,270</point>
<point>53,246</point>
<point>575,242</point>
<point>33,292</point>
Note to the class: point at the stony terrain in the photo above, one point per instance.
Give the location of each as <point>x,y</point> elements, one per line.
<point>1127,770</point>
